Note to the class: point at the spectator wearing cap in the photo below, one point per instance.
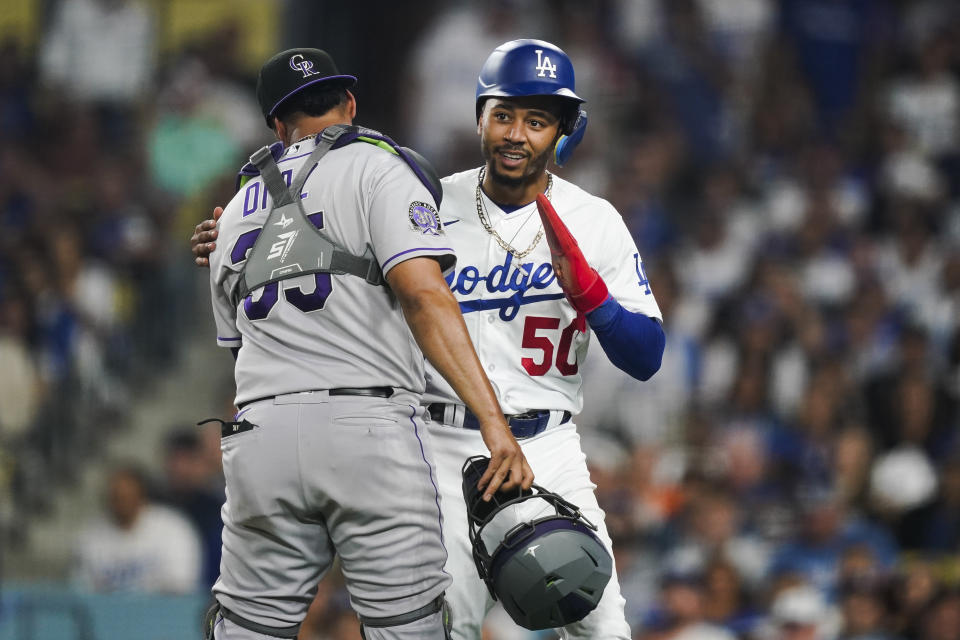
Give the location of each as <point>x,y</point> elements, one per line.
<point>799,612</point>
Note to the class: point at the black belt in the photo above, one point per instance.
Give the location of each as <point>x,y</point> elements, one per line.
<point>369,392</point>
<point>523,425</point>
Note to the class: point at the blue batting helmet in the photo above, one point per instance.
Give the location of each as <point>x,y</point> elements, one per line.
<point>535,68</point>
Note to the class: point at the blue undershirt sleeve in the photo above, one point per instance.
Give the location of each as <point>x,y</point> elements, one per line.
<point>632,341</point>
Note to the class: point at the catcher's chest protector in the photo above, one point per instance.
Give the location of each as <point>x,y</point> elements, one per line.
<point>289,245</point>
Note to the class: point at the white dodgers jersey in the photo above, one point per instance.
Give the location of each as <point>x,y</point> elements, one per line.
<point>522,326</point>
<point>324,331</point>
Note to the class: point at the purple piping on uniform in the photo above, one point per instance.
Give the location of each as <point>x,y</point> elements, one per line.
<point>240,413</point>
<point>312,169</point>
<point>388,260</point>
<point>229,339</point>
<point>303,86</point>
<point>436,489</point>
<point>302,155</point>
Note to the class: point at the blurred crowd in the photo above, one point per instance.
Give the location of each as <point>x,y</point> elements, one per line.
<point>790,170</point>
<point>157,534</point>
<point>108,152</point>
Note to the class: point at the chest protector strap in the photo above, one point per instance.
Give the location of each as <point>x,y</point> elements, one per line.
<point>289,245</point>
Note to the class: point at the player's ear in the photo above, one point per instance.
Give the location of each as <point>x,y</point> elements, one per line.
<point>480,110</point>
<point>351,106</point>
<point>279,129</point>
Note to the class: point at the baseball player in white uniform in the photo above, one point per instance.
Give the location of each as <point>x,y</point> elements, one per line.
<point>330,453</point>
<point>530,332</point>
<point>526,335</point>
<point>530,325</point>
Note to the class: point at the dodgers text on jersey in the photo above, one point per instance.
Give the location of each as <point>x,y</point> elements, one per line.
<point>503,278</point>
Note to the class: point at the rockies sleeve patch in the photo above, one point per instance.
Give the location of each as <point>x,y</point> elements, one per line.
<point>425,218</point>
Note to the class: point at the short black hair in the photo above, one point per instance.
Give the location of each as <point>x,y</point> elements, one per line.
<point>312,101</point>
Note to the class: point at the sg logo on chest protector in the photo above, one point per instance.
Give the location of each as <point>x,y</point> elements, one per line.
<point>282,246</point>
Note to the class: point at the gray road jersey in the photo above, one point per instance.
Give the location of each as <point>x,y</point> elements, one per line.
<point>324,331</point>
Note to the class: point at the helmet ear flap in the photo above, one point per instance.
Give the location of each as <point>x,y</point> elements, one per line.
<point>569,140</point>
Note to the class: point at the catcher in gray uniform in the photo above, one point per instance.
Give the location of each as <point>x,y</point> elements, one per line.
<point>329,454</point>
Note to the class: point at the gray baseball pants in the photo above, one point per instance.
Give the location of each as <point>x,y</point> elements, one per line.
<point>322,475</point>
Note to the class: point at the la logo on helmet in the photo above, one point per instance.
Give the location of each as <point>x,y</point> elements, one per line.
<point>297,63</point>
<point>544,65</point>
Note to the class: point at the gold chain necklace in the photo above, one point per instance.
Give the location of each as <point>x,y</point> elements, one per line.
<point>306,137</point>
<point>482,214</point>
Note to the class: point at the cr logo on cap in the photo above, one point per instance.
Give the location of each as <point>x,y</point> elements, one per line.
<point>297,63</point>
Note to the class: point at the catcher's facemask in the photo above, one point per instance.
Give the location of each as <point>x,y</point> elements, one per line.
<point>548,571</point>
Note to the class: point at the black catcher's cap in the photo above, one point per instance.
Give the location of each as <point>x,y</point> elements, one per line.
<point>292,70</point>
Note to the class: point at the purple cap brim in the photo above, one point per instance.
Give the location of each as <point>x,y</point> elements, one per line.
<point>352,79</point>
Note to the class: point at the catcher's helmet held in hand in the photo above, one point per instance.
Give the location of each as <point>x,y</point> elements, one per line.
<point>535,68</point>
<point>548,570</point>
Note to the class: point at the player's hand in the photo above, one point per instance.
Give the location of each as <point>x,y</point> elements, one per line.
<point>508,468</point>
<point>202,241</point>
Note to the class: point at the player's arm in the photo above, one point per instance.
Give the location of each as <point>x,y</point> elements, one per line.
<point>434,318</point>
<point>633,342</point>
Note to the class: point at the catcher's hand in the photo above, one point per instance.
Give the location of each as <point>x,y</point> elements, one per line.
<point>202,242</point>
<point>508,468</point>
<point>584,287</point>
